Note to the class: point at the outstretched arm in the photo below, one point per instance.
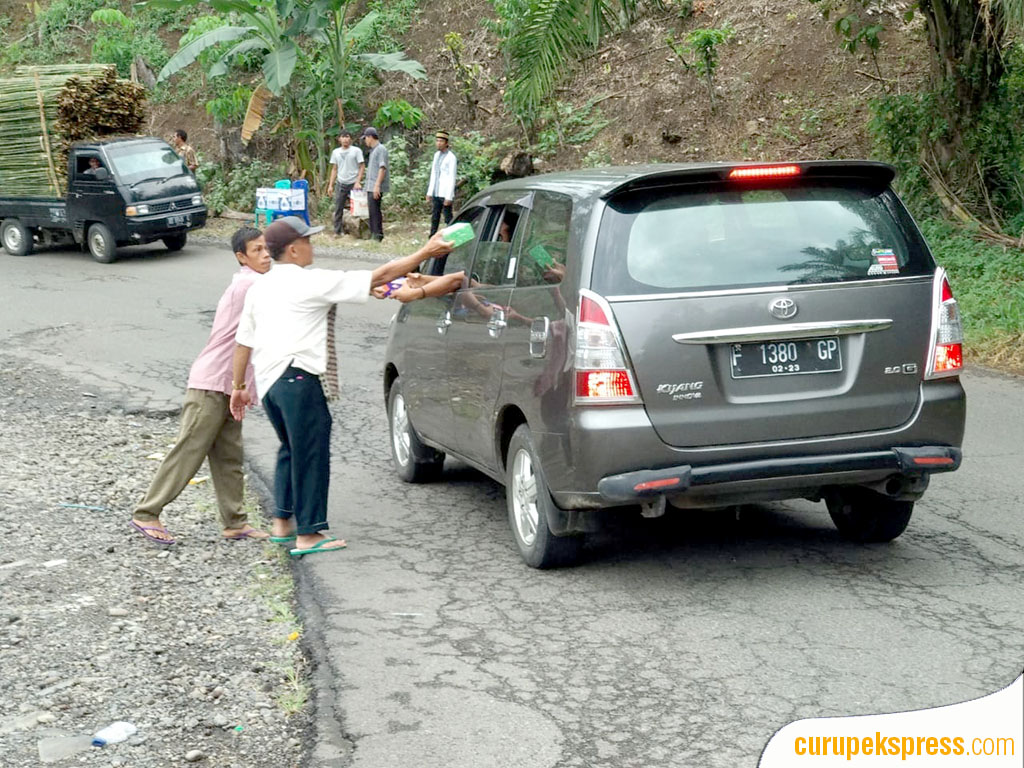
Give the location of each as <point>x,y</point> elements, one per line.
<point>436,246</point>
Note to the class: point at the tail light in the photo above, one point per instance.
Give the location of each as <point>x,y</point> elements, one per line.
<point>946,356</point>
<point>603,376</point>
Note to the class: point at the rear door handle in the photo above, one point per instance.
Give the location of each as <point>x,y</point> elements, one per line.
<point>444,322</point>
<point>540,331</point>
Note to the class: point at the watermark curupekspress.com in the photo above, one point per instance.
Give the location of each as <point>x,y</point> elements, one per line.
<point>902,747</point>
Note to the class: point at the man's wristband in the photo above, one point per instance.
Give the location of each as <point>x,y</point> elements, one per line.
<point>424,294</point>
<point>238,386</point>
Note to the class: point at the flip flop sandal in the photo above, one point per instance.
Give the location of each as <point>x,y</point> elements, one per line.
<point>317,548</point>
<point>282,539</point>
<point>145,531</point>
<point>249,534</point>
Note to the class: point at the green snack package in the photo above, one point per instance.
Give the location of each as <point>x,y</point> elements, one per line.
<point>541,257</point>
<point>458,233</point>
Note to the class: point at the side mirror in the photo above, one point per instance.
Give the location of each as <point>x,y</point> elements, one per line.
<point>101,174</point>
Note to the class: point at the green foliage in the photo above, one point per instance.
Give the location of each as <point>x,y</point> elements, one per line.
<point>235,188</point>
<point>399,112</point>
<point>988,281</point>
<point>466,73</point>
<point>905,126</point>
<point>699,54</point>
<point>567,125</point>
<point>478,161</point>
<point>393,19</point>
<point>57,29</point>
<point>199,26</point>
<point>230,107</point>
<point>541,38</point>
<point>118,42</point>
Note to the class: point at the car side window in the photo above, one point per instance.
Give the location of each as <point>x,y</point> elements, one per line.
<point>461,257</point>
<point>497,247</point>
<point>543,255</point>
<point>90,168</point>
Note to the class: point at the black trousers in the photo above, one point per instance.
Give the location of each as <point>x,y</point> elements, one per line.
<point>297,409</point>
<point>436,207</point>
<point>376,220</point>
<point>341,192</point>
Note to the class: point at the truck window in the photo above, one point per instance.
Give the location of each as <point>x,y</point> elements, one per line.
<point>135,162</point>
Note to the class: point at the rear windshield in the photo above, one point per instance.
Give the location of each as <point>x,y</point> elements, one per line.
<point>721,236</point>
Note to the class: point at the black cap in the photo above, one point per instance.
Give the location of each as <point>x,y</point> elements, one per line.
<point>371,131</point>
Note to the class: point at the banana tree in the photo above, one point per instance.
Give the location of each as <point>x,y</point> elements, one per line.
<point>326,21</point>
<point>263,25</point>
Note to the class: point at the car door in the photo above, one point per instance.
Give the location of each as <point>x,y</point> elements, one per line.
<point>480,319</point>
<point>92,195</point>
<point>423,327</point>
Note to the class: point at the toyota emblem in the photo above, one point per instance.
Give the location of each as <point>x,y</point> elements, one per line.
<point>782,308</point>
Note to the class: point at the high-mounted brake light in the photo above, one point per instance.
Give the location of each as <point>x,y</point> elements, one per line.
<point>946,354</point>
<point>764,172</point>
<point>603,376</point>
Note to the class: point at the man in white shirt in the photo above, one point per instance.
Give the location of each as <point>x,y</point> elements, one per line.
<point>347,169</point>
<point>287,328</point>
<point>441,188</point>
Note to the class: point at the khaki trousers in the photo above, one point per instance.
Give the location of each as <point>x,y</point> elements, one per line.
<point>207,431</point>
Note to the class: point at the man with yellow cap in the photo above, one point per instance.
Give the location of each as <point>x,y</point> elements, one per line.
<point>441,188</point>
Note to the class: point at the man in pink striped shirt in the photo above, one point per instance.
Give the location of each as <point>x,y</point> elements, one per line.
<point>208,430</point>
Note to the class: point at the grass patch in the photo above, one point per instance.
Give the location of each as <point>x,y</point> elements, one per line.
<point>988,281</point>
<point>295,696</point>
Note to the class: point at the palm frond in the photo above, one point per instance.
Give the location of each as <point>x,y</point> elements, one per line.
<point>551,35</point>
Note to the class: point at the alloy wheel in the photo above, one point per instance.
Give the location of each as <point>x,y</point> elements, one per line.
<point>524,498</point>
<point>400,431</point>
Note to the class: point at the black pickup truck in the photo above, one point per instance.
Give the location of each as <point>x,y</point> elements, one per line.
<point>126,191</point>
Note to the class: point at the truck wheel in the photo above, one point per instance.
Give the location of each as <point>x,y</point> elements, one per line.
<point>101,243</point>
<point>175,242</point>
<point>414,461</point>
<point>867,517</point>
<point>529,501</point>
<point>16,238</point>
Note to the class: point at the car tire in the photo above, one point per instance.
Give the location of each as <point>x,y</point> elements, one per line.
<point>867,517</point>
<point>16,238</point>
<point>414,461</point>
<point>529,502</point>
<point>175,242</point>
<point>101,243</point>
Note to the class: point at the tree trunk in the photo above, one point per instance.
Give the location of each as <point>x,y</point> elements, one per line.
<point>966,36</point>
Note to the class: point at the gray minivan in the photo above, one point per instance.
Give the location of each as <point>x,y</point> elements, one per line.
<point>685,336</point>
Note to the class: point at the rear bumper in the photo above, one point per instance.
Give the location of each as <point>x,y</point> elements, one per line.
<point>633,487</point>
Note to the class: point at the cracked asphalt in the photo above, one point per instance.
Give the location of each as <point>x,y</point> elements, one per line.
<point>683,641</point>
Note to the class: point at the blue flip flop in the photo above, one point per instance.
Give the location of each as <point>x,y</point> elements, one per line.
<point>317,548</point>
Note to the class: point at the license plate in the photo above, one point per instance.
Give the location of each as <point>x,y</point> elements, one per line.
<point>181,220</point>
<point>786,358</point>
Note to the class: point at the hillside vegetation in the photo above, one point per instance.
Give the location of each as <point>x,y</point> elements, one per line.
<point>574,83</point>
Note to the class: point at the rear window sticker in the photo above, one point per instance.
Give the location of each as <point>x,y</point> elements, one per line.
<point>885,262</point>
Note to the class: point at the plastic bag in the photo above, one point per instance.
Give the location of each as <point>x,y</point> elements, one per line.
<point>357,203</point>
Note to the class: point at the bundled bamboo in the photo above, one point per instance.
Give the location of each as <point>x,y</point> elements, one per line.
<point>43,109</point>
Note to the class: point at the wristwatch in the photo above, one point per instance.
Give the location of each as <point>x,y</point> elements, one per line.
<point>238,386</point>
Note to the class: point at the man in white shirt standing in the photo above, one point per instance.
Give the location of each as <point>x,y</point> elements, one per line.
<point>347,169</point>
<point>441,188</point>
<point>287,328</point>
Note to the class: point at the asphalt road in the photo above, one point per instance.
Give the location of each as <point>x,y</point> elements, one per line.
<point>685,641</point>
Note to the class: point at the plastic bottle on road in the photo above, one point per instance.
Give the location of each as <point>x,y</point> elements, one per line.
<point>113,733</point>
